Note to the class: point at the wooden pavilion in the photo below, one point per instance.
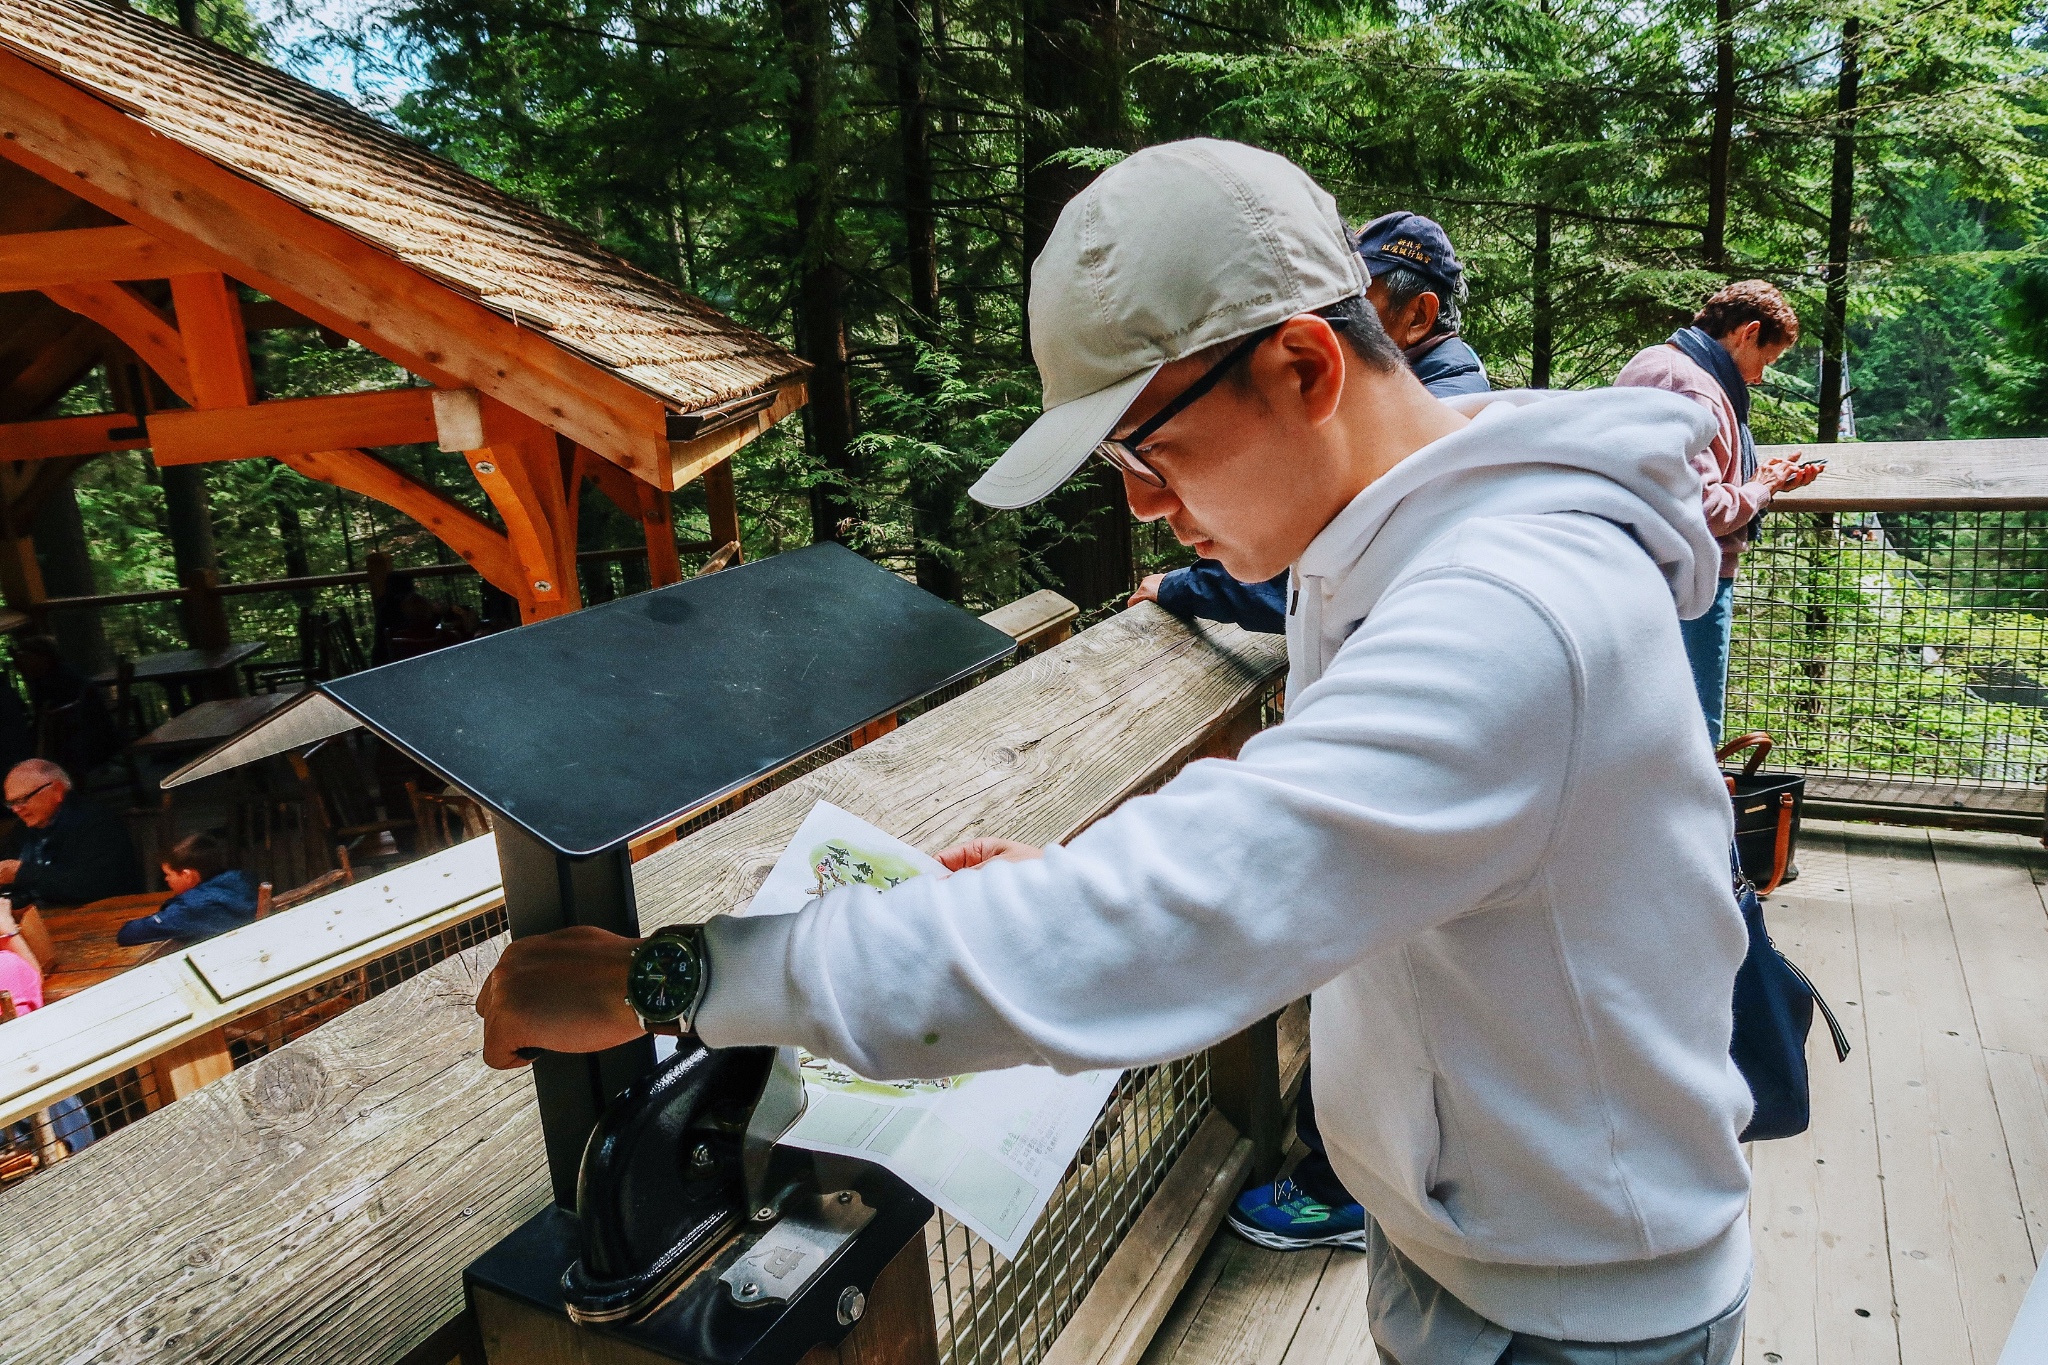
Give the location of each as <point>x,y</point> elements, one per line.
<point>161,199</point>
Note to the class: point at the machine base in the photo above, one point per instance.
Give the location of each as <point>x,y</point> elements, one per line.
<point>515,1291</point>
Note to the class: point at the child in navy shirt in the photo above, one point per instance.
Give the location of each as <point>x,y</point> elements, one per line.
<point>209,897</point>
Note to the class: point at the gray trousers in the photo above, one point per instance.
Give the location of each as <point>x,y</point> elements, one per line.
<point>1416,1321</point>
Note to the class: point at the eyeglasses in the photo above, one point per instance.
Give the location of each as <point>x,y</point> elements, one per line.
<point>17,802</point>
<point>1122,451</point>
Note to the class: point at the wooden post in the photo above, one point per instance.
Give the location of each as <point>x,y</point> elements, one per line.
<point>658,523</point>
<point>189,1066</point>
<point>723,505</point>
<point>1244,1086</point>
<point>206,612</point>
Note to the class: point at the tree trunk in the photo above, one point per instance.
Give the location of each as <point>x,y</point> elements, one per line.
<point>1073,97</point>
<point>66,558</point>
<point>1714,243</point>
<point>1541,306</point>
<point>188,18</point>
<point>1841,207</point>
<point>821,284</point>
<point>189,518</point>
<point>933,495</point>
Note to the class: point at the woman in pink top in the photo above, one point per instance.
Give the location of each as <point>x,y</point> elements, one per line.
<point>23,982</point>
<point>1738,333</point>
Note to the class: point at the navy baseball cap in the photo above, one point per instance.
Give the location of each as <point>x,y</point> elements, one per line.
<point>1404,238</point>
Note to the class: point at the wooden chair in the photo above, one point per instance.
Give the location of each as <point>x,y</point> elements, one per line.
<point>339,799</point>
<point>445,819</point>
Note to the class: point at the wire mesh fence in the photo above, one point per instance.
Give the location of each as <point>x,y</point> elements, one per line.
<point>996,1312</point>
<point>1898,650</point>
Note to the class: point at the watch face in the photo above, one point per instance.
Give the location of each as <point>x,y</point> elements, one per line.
<point>664,978</point>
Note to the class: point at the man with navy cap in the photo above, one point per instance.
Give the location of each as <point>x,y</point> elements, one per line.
<point>1489,836</point>
<point>1417,288</point>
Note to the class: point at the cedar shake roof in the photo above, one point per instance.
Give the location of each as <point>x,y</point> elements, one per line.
<point>334,161</point>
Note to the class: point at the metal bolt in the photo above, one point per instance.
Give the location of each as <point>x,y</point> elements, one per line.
<point>750,1290</point>
<point>486,467</point>
<point>763,1215</point>
<point>846,1196</point>
<point>852,1303</point>
<point>701,1157</point>
<point>542,585</point>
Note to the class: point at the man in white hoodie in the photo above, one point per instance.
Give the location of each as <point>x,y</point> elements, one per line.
<point>1489,837</point>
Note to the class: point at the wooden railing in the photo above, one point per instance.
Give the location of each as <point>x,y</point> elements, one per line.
<point>319,1204</point>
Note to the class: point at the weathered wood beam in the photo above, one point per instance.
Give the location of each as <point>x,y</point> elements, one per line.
<point>144,327</point>
<point>293,426</point>
<point>320,1204</point>
<point>1912,476</point>
<point>652,507</point>
<point>216,341</point>
<point>460,530</point>
<point>107,157</point>
<point>38,260</point>
<point>93,434</point>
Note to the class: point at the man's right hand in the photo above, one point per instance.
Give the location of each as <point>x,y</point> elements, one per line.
<point>1148,589</point>
<point>1782,475</point>
<point>10,868</point>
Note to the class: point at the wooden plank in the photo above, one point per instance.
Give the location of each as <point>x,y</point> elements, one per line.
<point>37,260</point>
<point>1956,796</point>
<point>261,954</point>
<point>319,1205</point>
<point>293,426</point>
<point>62,1038</point>
<point>479,544</point>
<point>721,506</point>
<point>143,327</point>
<point>57,437</point>
<point>1960,1258</point>
<point>2020,1084</point>
<point>1137,1288</point>
<point>1822,1292</point>
<point>1911,476</point>
<point>67,136</point>
<point>1042,614</point>
<point>1335,1327</point>
<point>1252,1310</point>
<point>2001,930</point>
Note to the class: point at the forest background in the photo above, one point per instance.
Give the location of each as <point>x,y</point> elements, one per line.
<point>868,180</point>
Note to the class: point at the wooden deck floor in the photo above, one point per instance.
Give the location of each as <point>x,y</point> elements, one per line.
<point>1903,1228</point>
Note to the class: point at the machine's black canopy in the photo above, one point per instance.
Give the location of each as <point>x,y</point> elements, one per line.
<point>596,727</point>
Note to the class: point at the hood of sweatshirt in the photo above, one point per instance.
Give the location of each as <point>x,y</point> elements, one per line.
<point>1624,455</point>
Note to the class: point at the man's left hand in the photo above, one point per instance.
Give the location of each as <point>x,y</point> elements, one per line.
<point>10,868</point>
<point>558,992</point>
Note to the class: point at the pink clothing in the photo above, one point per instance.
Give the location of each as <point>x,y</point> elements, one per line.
<point>1730,503</point>
<point>20,979</point>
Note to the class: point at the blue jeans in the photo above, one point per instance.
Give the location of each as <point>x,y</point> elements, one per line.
<point>1706,647</point>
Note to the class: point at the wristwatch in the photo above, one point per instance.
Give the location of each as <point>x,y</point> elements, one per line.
<point>668,978</point>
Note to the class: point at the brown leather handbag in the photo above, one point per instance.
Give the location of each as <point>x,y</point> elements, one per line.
<point>1767,811</point>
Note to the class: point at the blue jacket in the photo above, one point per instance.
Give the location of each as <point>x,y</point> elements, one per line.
<point>1206,589</point>
<point>212,907</point>
<point>1449,368</point>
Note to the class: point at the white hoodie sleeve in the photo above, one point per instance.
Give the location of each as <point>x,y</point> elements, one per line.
<point>1419,779</point>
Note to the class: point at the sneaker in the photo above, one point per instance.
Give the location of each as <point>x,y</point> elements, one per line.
<point>1284,1217</point>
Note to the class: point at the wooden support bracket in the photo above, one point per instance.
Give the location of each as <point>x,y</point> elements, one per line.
<point>143,327</point>
<point>361,472</point>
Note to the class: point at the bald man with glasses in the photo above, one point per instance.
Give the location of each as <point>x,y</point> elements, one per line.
<point>74,852</point>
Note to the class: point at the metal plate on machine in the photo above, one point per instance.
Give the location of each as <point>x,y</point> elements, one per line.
<point>593,728</point>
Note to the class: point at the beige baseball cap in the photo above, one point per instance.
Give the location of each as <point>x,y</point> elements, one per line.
<point>1173,249</point>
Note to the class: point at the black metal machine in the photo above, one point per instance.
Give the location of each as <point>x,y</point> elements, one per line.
<point>679,1229</point>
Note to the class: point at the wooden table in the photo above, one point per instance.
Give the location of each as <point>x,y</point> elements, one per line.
<point>84,937</point>
<point>180,669</point>
<point>207,723</point>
